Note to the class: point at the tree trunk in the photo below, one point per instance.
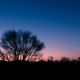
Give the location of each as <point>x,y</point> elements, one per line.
<point>24,57</point>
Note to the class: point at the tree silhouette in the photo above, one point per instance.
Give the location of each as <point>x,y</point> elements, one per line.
<point>50,59</point>
<point>1,55</point>
<point>65,60</point>
<point>21,43</point>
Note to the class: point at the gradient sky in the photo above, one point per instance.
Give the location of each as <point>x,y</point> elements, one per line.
<point>55,22</point>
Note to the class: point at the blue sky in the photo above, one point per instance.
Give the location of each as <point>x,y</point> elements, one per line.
<point>55,22</point>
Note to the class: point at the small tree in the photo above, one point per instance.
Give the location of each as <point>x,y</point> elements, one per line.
<point>65,60</point>
<point>21,43</point>
<point>50,59</point>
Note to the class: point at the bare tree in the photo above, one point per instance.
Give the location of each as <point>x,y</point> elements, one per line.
<point>21,43</point>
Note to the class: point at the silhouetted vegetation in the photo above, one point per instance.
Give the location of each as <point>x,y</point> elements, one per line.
<point>23,47</point>
<point>64,60</point>
<point>20,45</point>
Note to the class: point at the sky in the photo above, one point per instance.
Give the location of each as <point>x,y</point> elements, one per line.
<point>55,22</point>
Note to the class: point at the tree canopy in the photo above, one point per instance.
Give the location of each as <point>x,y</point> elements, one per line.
<point>22,43</point>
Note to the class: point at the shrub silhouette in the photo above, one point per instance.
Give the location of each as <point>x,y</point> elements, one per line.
<point>50,59</point>
<point>21,44</point>
<point>65,60</point>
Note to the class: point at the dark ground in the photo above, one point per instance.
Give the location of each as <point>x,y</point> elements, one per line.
<point>39,69</point>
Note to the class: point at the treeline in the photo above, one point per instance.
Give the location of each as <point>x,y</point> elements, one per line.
<point>50,60</point>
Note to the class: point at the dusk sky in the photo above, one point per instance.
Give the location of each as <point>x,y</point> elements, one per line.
<point>55,22</point>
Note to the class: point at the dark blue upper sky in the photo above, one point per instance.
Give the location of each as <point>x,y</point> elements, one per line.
<point>56,22</point>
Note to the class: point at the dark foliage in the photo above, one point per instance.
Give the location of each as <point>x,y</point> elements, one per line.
<point>21,43</point>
